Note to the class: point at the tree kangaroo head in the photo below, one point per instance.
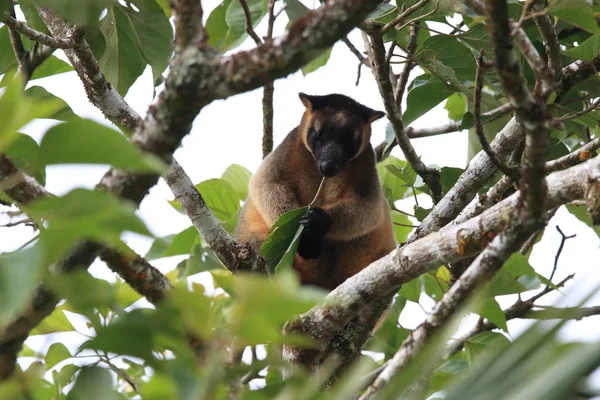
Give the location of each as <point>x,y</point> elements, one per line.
<point>335,129</point>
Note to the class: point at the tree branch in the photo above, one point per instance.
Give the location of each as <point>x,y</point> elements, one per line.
<point>22,28</point>
<point>249,29</point>
<point>268,90</point>
<point>234,255</point>
<point>189,30</point>
<point>402,16</point>
<point>380,69</point>
<point>512,172</point>
<point>531,113</point>
<point>403,78</point>
<point>413,259</point>
<point>551,43</point>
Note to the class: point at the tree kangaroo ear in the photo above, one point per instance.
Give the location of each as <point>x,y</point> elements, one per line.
<point>375,115</point>
<point>306,100</point>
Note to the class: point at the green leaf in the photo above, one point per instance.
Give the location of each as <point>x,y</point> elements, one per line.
<point>287,260</point>
<point>491,310</point>
<point>316,62</point>
<point>133,333</point>
<point>84,214</point>
<point>94,383</point>
<point>587,50</point>
<point>56,322</point>
<point>239,179</point>
<point>483,341</point>
<point>395,188</point>
<point>19,276</point>
<point>155,35</point>
<point>7,55</point>
<point>86,12</point>
<point>295,9</point>
<point>579,15</point>
<point>65,375</point>
<point>447,57</point>
<point>449,176</point>
<point>456,105</point>
<point>173,245</point>
<point>120,59</point>
<point>51,66</point>
<point>87,142</point>
<point>477,38</point>
<point>216,26</point>
<point>580,212</point>
<point>283,234</point>
<point>32,16</point>
<point>84,292</point>
<point>201,259</point>
<point>259,318</point>
<point>425,93</point>
<point>24,152</point>
<point>401,232</point>
<point>421,212</point>
<point>56,353</point>
<point>411,290</point>
<point>126,296</point>
<point>220,197</point>
<point>434,287</point>
<point>17,110</point>
<point>63,111</point>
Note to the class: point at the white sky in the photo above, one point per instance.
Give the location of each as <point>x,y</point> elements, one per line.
<point>230,131</point>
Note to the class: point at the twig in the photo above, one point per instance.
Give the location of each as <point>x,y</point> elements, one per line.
<point>249,29</point>
<point>380,69</point>
<point>268,90</point>
<point>403,78</point>
<point>24,29</point>
<point>17,45</point>
<point>118,371</point>
<point>361,58</point>
<point>563,239</point>
<point>402,16</point>
<point>574,115</point>
<point>545,25</point>
<point>508,170</point>
<point>518,310</point>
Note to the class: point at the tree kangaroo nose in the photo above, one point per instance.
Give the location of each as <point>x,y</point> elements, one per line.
<point>327,168</point>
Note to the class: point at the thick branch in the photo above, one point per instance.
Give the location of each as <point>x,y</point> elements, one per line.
<point>406,263</point>
<point>380,69</point>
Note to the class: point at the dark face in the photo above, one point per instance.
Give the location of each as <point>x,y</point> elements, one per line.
<point>334,142</point>
<point>337,129</point>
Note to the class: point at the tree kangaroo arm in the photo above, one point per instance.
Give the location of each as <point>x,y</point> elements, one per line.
<point>355,217</point>
<point>273,200</point>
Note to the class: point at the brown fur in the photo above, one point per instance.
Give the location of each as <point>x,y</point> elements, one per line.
<point>288,178</point>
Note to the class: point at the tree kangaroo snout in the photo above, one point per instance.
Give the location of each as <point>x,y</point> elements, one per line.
<point>349,225</point>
